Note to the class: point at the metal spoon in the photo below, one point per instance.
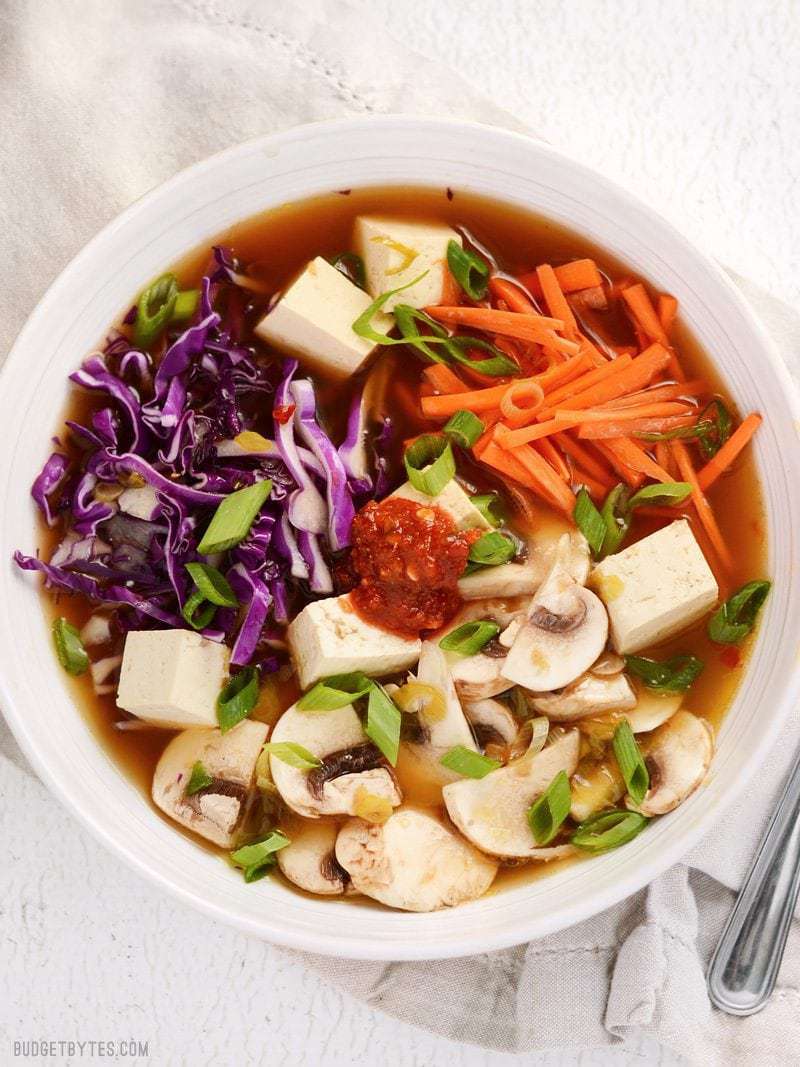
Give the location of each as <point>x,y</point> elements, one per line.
<point>745,965</point>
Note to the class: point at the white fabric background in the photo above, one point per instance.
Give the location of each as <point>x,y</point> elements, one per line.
<point>696,109</point>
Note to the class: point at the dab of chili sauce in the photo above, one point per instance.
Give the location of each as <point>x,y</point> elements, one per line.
<point>404,565</point>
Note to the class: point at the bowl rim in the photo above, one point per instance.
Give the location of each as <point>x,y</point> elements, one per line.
<point>323,941</point>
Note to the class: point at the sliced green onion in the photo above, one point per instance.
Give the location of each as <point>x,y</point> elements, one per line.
<point>616,517</point>
<point>440,347</point>
<point>721,425</point>
<point>198,779</point>
<point>233,518</point>
<point>185,305</point>
<point>548,812</point>
<point>363,324</point>
<point>335,692</point>
<point>737,616</point>
<point>668,676</point>
<point>197,612</point>
<point>631,764</point>
<point>589,521</point>
<point>383,722</point>
<point>257,858</point>
<point>700,429</point>
<point>154,310</point>
<point>293,754</point>
<point>469,270</point>
<point>69,647</point>
<point>470,764</point>
<point>237,699</point>
<point>661,493</point>
<point>212,584</point>
<point>351,266</point>
<point>464,428</point>
<point>429,463</point>
<point>470,637</point>
<point>492,548</point>
<point>491,507</point>
<point>607,830</point>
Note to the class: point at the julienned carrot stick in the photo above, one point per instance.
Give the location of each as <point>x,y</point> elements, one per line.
<point>547,449</point>
<point>673,391</point>
<point>664,457</point>
<point>561,373</point>
<point>729,451</point>
<point>579,274</point>
<point>643,312</point>
<point>554,298</point>
<point>516,438</point>
<point>586,381</point>
<point>634,456</point>
<point>548,481</point>
<point>584,458</point>
<point>633,477</point>
<point>520,402</point>
<point>702,506</point>
<point>443,379</point>
<point>527,327</point>
<point>512,296</point>
<point>667,310</point>
<point>640,411</point>
<point>596,431</point>
<point>477,400</point>
<point>596,356</point>
<point>510,467</point>
<point>636,375</point>
<point>597,490</point>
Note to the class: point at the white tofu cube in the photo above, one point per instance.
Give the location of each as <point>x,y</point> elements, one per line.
<point>329,637</point>
<point>656,588</point>
<point>314,318</point>
<point>172,677</point>
<point>396,251</point>
<point>453,500</point>
<point>505,580</point>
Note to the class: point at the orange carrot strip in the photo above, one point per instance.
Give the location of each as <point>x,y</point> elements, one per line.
<point>672,391</point>
<point>702,506</point>
<point>528,327</point>
<point>443,379</point>
<point>597,490</point>
<point>477,400</point>
<point>664,457</point>
<point>586,381</point>
<point>549,483</point>
<point>561,373</point>
<point>512,296</point>
<point>596,356</point>
<point>643,312</point>
<point>633,477</point>
<point>636,375</point>
<point>523,436</point>
<point>594,431</point>
<point>584,458</point>
<point>640,411</point>
<point>729,451</point>
<point>554,298</point>
<point>509,466</point>
<point>667,310</point>
<point>634,456</point>
<point>547,449</point>
<point>579,274</point>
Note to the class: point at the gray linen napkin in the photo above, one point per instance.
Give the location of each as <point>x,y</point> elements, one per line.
<point>102,99</point>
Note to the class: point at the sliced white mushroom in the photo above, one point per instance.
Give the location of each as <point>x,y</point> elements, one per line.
<point>588,695</point>
<point>481,675</point>
<point>102,670</point>
<point>310,860</point>
<point>677,758</point>
<point>652,709</point>
<point>217,811</point>
<point>565,632</point>
<point>491,721</point>
<point>350,763</point>
<point>491,812</point>
<point>445,726</point>
<point>413,862</point>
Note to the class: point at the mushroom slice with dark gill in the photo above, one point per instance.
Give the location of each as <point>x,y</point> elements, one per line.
<point>480,675</point>
<point>350,764</point>
<point>564,633</point>
<point>677,757</point>
<point>590,694</point>
<point>413,861</point>
<point>310,860</point>
<point>491,812</point>
<point>491,721</point>
<point>216,811</point>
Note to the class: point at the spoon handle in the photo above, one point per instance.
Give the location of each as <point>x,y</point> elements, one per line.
<point>745,965</point>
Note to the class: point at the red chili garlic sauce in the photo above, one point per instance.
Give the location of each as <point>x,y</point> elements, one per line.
<point>274,247</point>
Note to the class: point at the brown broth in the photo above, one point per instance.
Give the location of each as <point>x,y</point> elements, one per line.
<point>276,245</point>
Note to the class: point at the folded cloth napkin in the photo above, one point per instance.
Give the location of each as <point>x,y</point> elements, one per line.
<point>103,99</point>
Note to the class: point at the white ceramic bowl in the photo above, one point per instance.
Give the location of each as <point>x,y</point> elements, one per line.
<point>190,209</point>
